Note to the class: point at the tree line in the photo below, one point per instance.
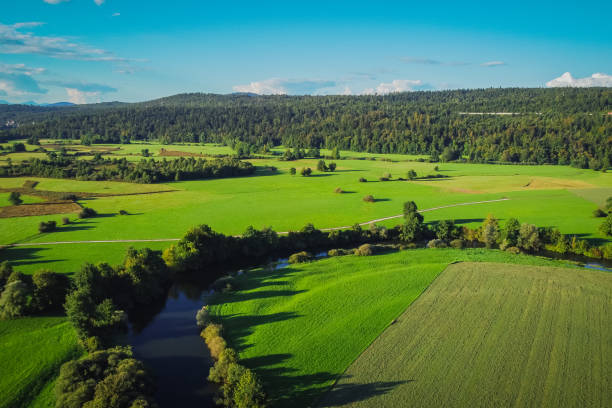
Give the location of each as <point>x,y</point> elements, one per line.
<point>557,126</point>
<point>145,171</point>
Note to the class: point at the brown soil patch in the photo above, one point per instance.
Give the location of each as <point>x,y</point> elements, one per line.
<point>176,153</point>
<point>27,210</point>
<point>550,183</point>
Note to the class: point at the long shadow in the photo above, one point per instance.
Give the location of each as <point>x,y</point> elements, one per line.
<point>348,192</point>
<point>378,200</point>
<point>321,175</point>
<point>241,326</point>
<point>262,294</point>
<point>70,228</point>
<point>25,256</point>
<point>343,394</point>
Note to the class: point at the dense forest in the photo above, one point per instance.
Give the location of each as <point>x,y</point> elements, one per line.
<point>559,126</point>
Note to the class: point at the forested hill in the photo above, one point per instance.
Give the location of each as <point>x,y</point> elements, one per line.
<point>562,125</point>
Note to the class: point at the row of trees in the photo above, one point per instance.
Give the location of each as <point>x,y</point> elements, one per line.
<point>559,126</point>
<point>144,171</point>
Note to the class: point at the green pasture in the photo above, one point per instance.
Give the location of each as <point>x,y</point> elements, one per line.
<point>32,350</point>
<point>558,196</point>
<point>302,326</point>
<point>4,199</point>
<point>494,335</point>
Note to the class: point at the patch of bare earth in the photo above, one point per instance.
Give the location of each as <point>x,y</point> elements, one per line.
<point>27,210</point>
<point>176,153</point>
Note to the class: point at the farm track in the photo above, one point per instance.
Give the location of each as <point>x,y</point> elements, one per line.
<point>282,233</point>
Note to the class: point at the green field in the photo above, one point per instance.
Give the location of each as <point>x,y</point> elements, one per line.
<point>32,350</point>
<point>492,335</point>
<point>542,195</point>
<point>302,326</point>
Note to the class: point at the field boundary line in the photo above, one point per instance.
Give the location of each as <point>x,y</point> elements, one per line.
<point>280,233</point>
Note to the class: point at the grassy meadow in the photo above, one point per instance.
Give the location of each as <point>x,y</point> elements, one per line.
<point>542,195</point>
<point>33,349</point>
<point>302,326</point>
<point>492,335</point>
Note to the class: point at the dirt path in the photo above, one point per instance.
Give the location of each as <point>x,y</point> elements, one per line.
<point>281,233</point>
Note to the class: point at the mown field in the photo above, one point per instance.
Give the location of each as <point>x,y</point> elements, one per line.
<point>31,350</point>
<point>302,326</point>
<point>542,195</point>
<point>492,335</point>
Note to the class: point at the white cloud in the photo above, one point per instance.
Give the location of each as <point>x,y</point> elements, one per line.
<point>15,41</point>
<point>81,97</point>
<point>567,80</point>
<point>99,2</point>
<point>491,64</point>
<point>281,86</point>
<point>397,85</point>
<point>55,1</point>
<point>116,14</point>
<point>347,91</point>
<point>20,69</point>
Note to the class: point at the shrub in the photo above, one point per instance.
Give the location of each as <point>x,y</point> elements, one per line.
<point>387,176</point>
<point>65,221</point>
<point>292,171</point>
<point>338,190</point>
<point>307,171</point>
<point>513,250</point>
<point>69,197</point>
<point>92,344</point>
<point>300,257</point>
<point>87,213</point>
<point>436,243</point>
<point>215,342</point>
<point>383,178</point>
<point>123,212</point>
<point>15,198</point>
<point>339,252</point>
<point>598,213</point>
<point>457,243</point>
<point>411,175</point>
<point>47,226</point>
<point>364,250</point>
<point>362,180</point>
<point>203,317</point>
<point>5,271</point>
<point>331,166</point>
<point>606,226</point>
<point>369,199</point>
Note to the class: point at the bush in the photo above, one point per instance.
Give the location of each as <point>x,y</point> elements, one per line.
<point>215,342</point>
<point>364,250</point>
<point>5,271</point>
<point>307,171</point>
<point>457,243</point>
<point>106,378</point>
<point>15,198</point>
<point>369,199</point>
<point>65,221</point>
<point>47,226</point>
<point>50,290</point>
<point>301,257</point>
<point>338,190</point>
<point>69,197</point>
<point>436,243</point>
<point>292,171</point>
<point>513,250</point>
<point>599,213</point>
<point>123,212</point>
<point>339,252</point>
<point>331,166</point>
<point>87,213</point>
<point>383,178</point>
<point>362,180</point>
<point>203,317</point>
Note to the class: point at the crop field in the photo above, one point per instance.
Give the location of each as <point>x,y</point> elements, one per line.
<point>495,335</point>
<point>33,349</point>
<point>542,195</point>
<point>302,326</point>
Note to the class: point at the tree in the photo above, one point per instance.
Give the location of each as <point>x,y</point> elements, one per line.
<point>529,238</point>
<point>410,210</point>
<point>490,231</point>
<point>412,175</point>
<point>411,230</point>
<point>335,153</point>
<point>606,226</point>
<point>292,171</point>
<point>446,230</point>
<point>5,271</point>
<point>15,198</point>
<point>511,233</point>
<point>331,166</point>
<point>321,165</point>
<point>307,171</point>
<point>50,289</point>
<point>16,300</point>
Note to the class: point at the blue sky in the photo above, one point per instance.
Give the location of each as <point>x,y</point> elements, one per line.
<point>133,50</point>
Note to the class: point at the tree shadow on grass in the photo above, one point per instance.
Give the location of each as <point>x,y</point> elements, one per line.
<point>240,327</point>
<point>379,200</point>
<point>20,256</point>
<point>343,394</point>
